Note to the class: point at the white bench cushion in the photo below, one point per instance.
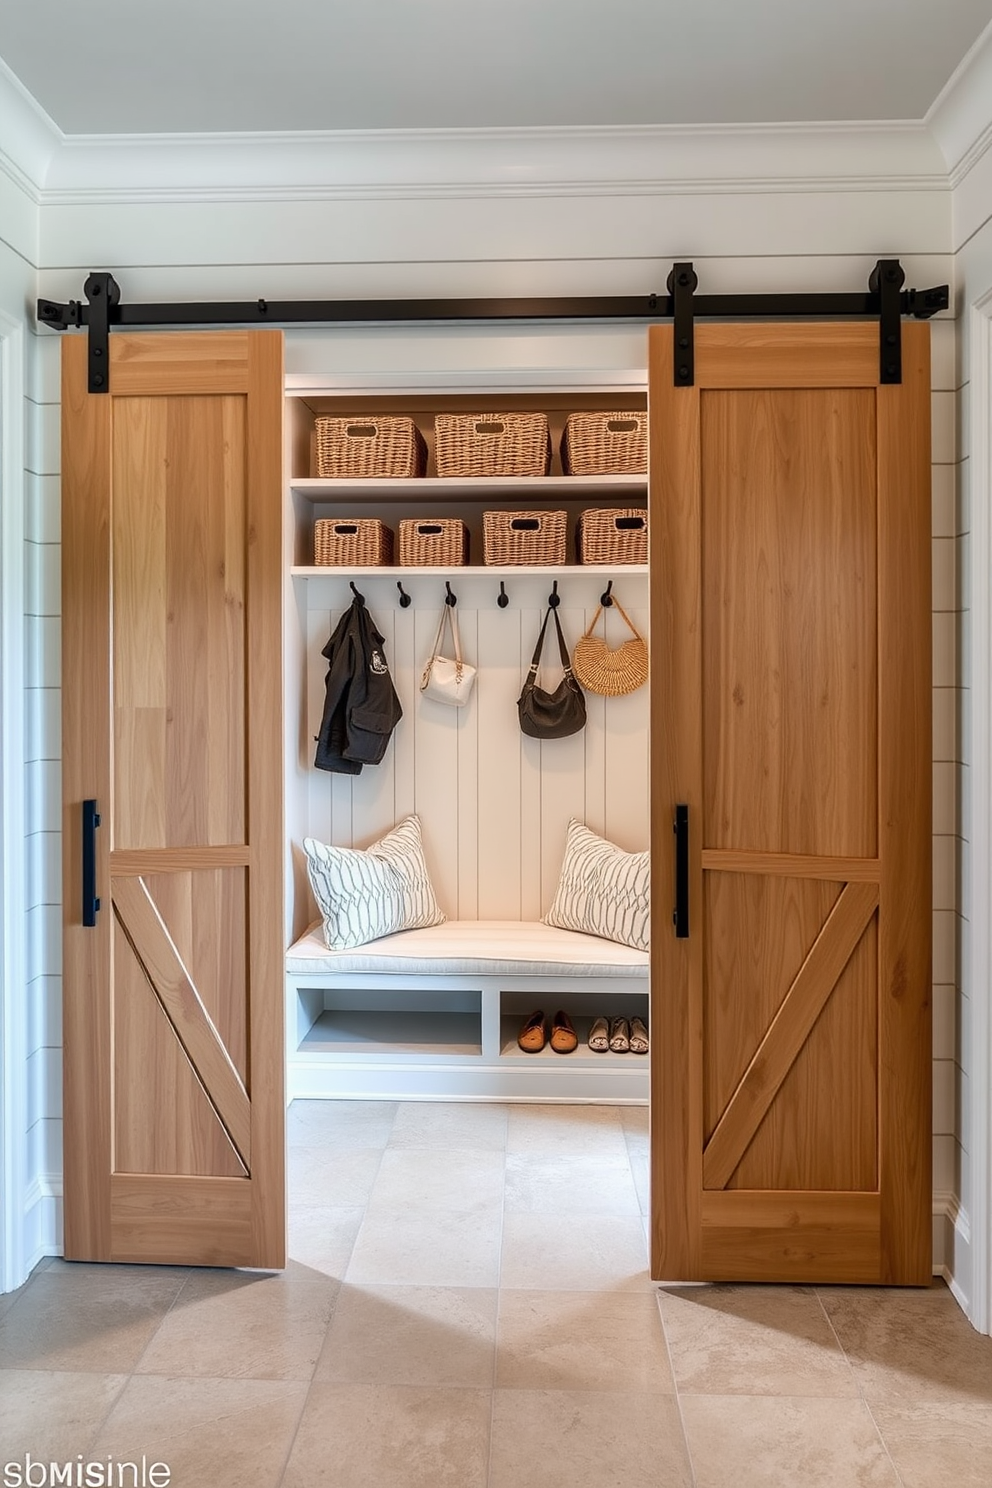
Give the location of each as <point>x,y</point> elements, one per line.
<point>477,947</point>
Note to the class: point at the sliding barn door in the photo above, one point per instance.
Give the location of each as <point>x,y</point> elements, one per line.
<point>171,653</point>
<point>790,593</point>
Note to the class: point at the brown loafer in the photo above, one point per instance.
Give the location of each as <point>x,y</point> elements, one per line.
<point>563,1036</point>
<point>534,1034</point>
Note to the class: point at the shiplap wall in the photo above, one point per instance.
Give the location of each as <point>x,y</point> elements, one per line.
<point>494,804</point>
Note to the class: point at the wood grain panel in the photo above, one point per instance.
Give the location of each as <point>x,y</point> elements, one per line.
<point>206,915</point>
<point>789,668</point>
<point>793,865</point>
<point>788,356</point>
<point>825,1237</point>
<point>163,1121</point>
<point>86,773</point>
<point>197,1221</point>
<point>183,1006</point>
<point>152,364</point>
<point>822,1129</point>
<point>758,932</point>
<point>788,1032</point>
<point>905,700</point>
<point>676,776</point>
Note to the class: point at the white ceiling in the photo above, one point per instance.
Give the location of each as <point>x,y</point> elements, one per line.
<point>167,66</point>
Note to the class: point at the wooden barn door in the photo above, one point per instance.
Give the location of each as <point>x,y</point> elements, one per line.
<point>790,593</point>
<point>172,657</point>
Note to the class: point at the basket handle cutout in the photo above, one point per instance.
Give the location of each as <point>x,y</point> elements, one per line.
<point>629,524</point>
<point>490,428</point>
<point>361,431</point>
<point>622,426</point>
<point>525,524</point>
<point>344,529</point>
<point>428,529</point>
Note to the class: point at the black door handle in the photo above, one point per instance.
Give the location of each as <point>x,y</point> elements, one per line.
<point>91,820</point>
<point>680,915</point>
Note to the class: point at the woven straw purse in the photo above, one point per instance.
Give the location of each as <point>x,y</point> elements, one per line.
<point>611,673</point>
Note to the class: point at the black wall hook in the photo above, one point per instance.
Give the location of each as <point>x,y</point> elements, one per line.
<point>554,599</point>
<point>606,599</point>
<point>449,598</point>
<point>502,598</point>
<point>359,597</point>
<point>405,599</point>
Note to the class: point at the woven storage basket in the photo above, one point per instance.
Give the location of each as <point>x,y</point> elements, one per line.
<point>361,542</point>
<point>524,536</point>
<point>433,541</point>
<point>605,444</point>
<point>610,536</point>
<point>467,444</point>
<point>376,445</point>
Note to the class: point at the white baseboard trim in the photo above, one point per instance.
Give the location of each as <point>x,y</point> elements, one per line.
<point>952,1258</point>
<point>43,1219</point>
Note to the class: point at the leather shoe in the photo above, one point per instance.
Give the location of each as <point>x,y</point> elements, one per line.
<point>563,1036</point>
<point>534,1034</point>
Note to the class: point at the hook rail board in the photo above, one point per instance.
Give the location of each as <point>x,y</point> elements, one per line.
<point>885,300</point>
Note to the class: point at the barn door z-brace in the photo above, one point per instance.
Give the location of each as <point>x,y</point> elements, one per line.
<point>886,301</point>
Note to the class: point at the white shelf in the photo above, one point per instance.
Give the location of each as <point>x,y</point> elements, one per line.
<point>455,570</point>
<point>539,488</point>
<point>363,1031</point>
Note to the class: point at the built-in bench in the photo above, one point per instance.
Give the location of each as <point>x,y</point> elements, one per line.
<point>434,1014</point>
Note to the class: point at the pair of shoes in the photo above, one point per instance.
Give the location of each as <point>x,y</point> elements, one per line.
<point>618,1035</point>
<point>535,1033</point>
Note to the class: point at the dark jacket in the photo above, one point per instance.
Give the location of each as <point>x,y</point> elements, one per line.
<point>361,708</point>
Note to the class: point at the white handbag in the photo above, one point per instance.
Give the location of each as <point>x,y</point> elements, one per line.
<point>444,679</point>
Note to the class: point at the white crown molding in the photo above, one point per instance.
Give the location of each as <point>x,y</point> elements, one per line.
<point>389,164</point>
<point>29,137</point>
<point>960,117</point>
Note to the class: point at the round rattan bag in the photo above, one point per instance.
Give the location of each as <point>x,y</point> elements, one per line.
<point>611,673</point>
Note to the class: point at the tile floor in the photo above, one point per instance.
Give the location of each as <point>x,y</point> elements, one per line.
<point>468,1306</point>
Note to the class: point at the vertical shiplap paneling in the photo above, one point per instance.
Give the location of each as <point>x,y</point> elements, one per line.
<point>498,797</point>
<point>494,804</point>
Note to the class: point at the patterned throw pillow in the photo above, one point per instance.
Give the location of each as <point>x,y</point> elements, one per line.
<point>363,895</point>
<point>602,891</point>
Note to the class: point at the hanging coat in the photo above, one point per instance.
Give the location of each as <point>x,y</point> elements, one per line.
<point>361,708</point>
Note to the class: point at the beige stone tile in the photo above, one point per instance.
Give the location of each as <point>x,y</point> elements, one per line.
<point>391,1436</point>
<point>442,1249</point>
<point>478,1126</point>
<point>592,1130</point>
<point>581,1341</point>
<point>224,1433</point>
<point>321,1240</point>
<point>53,1415</point>
<point>234,1324</point>
<point>910,1344</point>
<point>634,1120</point>
<point>640,1169</point>
<point>91,1318</point>
<point>945,1443</point>
<point>339,1178</point>
<point>401,1335</point>
<point>418,1180</point>
<point>546,1183</point>
<point>733,1340</point>
<point>586,1439</point>
<point>764,1441</point>
<point>565,1252</point>
<point>316,1123</point>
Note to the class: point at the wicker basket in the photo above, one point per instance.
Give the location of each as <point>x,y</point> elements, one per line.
<point>524,536</point>
<point>611,536</point>
<point>430,541</point>
<point>605,444</point>
<point>356,448</point>
<point>492,444</point>
<point>360,542</point>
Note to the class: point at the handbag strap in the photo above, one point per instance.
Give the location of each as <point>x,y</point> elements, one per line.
<point>617,606</point>
<point>448,616</point>
<point>562,648</point>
